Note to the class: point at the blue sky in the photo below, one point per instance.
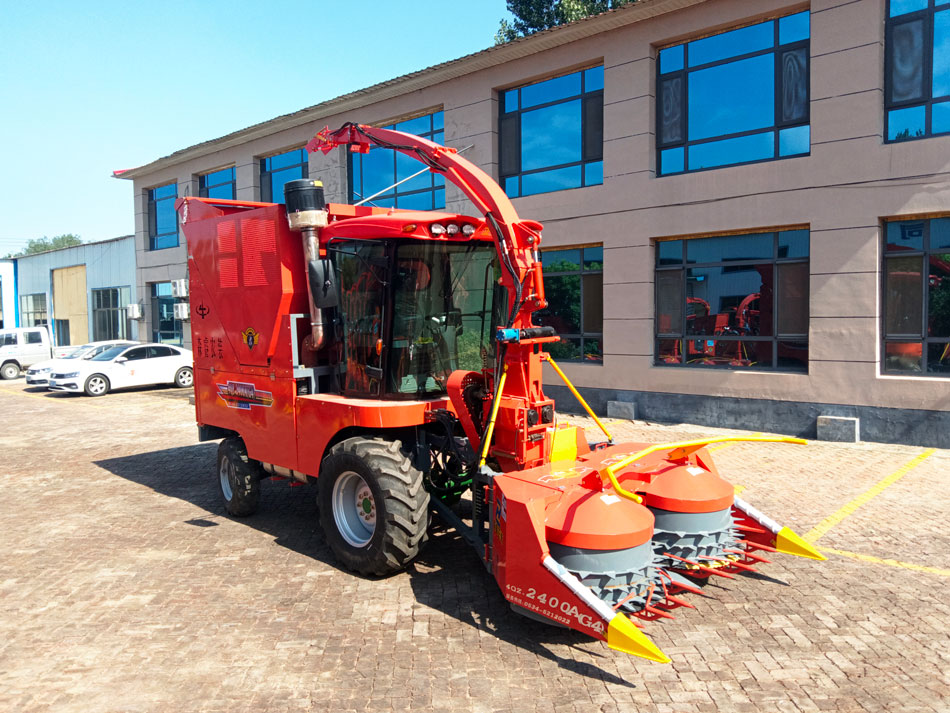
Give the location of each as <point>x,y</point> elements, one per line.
<point>89,87</point>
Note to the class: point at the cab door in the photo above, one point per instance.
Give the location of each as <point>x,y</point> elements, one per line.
<point>133,370</point>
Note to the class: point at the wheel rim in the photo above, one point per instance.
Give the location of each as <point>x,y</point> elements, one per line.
<point>354,509</point>
<point>185,378</point>
<point>97,385</point>
<point>225,473</point>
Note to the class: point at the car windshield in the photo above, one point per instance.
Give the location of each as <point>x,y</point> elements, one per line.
<point>109,354</point>
<point>78,352</point>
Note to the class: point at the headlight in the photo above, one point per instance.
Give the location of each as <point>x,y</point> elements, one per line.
<point>43,371</point>
<point>70,375</point>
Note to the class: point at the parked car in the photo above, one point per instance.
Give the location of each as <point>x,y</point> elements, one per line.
<point>125,366</point>
<point>22,347</point>
<point>38,374</point>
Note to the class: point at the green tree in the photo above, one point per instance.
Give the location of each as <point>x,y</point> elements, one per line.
<point>42,245</point>
<point>536,15</point>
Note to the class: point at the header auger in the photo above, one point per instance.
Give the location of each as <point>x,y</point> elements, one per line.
<point>391,355</point>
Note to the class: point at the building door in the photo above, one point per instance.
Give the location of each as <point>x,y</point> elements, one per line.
<point>70,305</point>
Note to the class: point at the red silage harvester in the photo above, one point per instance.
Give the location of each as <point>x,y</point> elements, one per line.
<point>391,355</point>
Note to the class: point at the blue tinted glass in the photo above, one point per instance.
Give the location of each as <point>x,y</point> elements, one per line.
<point>216,177</point>
<point>793,243</point>
<point>438,121</point>
<point>224,191</point>
<point>731,44</point>
<point>279,178</point>
<point>594,258</point>
<point>165,241</point>
<point>551,90</point>
<point>733,97</point>
<point>672,160</point>
<point>417,126</point>
<point>284,160</point>
<point>555,180</point>
<point>940,234</point>
<point>758,246</point>
<point>671,59</point>
<point>906,123</point>
<point>940,119</point>
<point>164,191</point>
<point>561,260</point>
<point>793,28</point>
<point>902,7</point>
<point>669,252</point>
<point>356,168</point>
<point>165,219</point>
<point>415,201</point>
<point>161,289</point>
<point>551,136</point>
<point>510,100</point>
<point>728,151</point>
<point>405,167</point>
<point>438,199</point>
<point>941,81</point>
<point>905,235</point>
<point>794,141</point>
<point>438,179</point>
<point>511,187</point>
<point>593,79</point>
<point>378,170</point>
<point>594,173</point>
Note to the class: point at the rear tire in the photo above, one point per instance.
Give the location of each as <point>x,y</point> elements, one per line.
<point>97,385</point>
<point>374,509</point>
<point>10,370</point>
<point>239,478</point>
<point>184,377</point>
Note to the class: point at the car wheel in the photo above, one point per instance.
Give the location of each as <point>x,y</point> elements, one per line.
<point>10,370</point>
<point>97,385</point>
<point>185,377</point>
<point>239,478</point>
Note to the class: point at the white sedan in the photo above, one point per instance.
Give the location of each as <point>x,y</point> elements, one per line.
<point>125,366</point>
<point>38,374</point>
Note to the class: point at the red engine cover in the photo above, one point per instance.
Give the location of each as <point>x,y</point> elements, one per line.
<point>688,488</point>
<point>597,520</point>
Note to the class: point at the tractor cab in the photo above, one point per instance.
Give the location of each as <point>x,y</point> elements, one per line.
<point>415,303</point>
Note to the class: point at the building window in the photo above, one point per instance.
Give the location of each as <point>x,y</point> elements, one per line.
<point>218,184</point>
<point>735,301</point>
<point>33,310</point>
<point>109,319</point>
<point>165,328</point>
<point>917,297</point>
<point>574,288</point>
<point>379,170</point>
<point>736,97</point>
<point>917,69</point>
<point>278,170</point>
<point>552,134</point>
<point>162,219</point>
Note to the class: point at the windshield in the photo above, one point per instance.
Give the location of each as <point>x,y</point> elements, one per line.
<point>442,309</point>
<point>108,354</point>
<point>78,352</point>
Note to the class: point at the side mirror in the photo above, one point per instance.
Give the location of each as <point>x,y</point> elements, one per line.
<point>323,284</point>
<point>121,360</point>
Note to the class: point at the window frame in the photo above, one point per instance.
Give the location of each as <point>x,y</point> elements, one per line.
<point>907,338</point>
<point>123,295</point>
<point>204,186</point>
<point>156,240</point>
<point>684,336</point>
<point>29,312</point>
<point>177,324</point>
<point>436,181</point>
<point>596,154</point>
<point>266,174</point>
<point>778,125</point>
<point>927,14</point>
<point>584,334</point>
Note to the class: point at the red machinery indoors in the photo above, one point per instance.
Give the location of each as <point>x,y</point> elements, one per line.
<point>392,356</point>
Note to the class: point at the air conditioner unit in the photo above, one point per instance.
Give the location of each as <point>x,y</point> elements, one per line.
<point>182,310</point>
<point>179,288</point>
<point>135,311</point>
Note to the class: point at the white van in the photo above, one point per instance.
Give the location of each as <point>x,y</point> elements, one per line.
<point>21,347</point>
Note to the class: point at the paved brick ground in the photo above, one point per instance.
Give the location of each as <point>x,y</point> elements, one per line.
<point>124,587</point>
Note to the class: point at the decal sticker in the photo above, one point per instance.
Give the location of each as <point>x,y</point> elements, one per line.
<point>250,337</point>
<point>202,310</point>
<point>237,394</point>
<point>209,347</point>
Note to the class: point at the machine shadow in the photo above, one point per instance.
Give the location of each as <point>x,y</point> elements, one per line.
<point>447,576</point>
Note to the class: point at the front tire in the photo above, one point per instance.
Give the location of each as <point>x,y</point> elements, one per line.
<point>239,478</point>
<point>10,370</point>
<point>374,509</point>
<point>97,385</point>
<point>184,377</point>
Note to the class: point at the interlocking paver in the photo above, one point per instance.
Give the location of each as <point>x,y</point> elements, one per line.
<point>125,587</point>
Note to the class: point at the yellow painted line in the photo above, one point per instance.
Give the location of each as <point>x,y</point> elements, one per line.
<point>821,528</point>
<point>889,562</point>
<point>726,445</point>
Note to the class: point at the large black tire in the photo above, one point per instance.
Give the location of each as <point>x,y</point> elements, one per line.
<point>239,478</point>
<point>374,509</point>
<point>10,370</point>
<point>97,385</point>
